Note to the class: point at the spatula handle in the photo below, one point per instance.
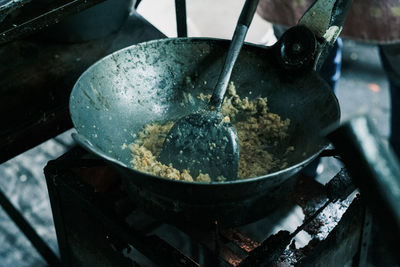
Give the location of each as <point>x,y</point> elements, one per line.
<point>239,35</point>
<point>325,19</point>
<point>247,14</point>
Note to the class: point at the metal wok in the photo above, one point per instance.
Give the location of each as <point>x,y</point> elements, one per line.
<point>145,83</point>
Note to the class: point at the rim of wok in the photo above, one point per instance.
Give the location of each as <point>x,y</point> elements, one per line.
<point>237,181</point>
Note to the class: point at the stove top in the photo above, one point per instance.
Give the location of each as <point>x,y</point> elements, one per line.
<point>97,223</point>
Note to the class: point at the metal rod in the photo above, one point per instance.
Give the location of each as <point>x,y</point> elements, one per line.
<point>181,24</point>
<point>55,203</point>
<point>242,26</point>
<point>29,232</point>
<point>137,4</point>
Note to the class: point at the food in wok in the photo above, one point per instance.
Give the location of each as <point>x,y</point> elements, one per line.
<point>258,130</point>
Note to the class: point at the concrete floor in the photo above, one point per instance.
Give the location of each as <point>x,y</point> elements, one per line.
<point>362,88</point>
<point>22,180</point>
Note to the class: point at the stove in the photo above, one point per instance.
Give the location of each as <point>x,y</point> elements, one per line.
<point>98,224</point>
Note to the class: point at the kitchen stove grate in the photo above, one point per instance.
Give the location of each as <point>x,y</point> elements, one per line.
<point>96,223</point>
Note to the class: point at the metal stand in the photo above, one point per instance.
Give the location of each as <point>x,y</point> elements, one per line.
<point>29,232</point>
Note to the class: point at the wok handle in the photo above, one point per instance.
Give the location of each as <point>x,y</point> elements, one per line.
<point>307,44</point>
<point>246,16</point>
<point>374,168</point>
<point>325,18</point>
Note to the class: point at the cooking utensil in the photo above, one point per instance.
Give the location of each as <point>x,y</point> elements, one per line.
<point>145,83</point>
<point>204,142</point>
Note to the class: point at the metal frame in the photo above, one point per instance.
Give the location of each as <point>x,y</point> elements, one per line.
<point>75,202</point>
<point>29,232</point>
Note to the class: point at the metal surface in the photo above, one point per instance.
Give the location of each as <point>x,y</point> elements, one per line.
<point>365,239</point>
<point>225,75</point>
<point>204,142</point>
<point>325,19</point>
<point>297,48</point>
<point>340,246</point>
<point>32,19</point>
<point>100,225</point>
<point>308,43</point>
<point>7,6</point>
<point>375,170</point>
<point>271,249</point>
<point>340,186</point>
<point>145,83</point>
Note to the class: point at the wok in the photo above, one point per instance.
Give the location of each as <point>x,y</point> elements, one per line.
<point>145,83</point>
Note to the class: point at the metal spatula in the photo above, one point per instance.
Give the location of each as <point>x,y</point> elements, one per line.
<point>205,142</point>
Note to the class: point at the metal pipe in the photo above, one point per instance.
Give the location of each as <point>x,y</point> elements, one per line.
<point>181,22</point>
<point>29,232</point>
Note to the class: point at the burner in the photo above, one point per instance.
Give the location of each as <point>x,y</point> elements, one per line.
<point>97,223</point>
